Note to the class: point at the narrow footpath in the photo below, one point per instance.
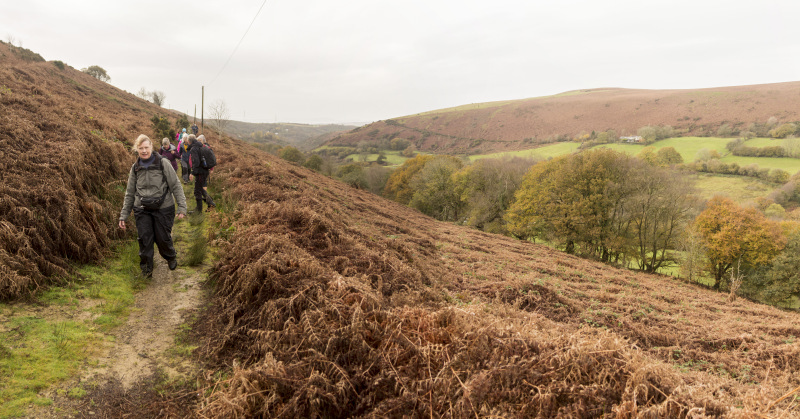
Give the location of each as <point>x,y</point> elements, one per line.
<point>149,351</point>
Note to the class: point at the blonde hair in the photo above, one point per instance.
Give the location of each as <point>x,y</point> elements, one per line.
<point>165,142</point>
<point>142,138</point>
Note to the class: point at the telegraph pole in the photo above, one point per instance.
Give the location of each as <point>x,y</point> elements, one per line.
<point>202,107</point>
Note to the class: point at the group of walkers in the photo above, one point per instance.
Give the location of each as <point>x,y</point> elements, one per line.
<point>154,190</point>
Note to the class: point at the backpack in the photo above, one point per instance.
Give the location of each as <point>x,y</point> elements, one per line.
<point>207,157</point>
<point>153,203</point>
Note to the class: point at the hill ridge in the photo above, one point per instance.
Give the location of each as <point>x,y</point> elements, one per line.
<point>525,123</point>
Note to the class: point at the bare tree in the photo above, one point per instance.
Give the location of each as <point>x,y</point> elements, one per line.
<point>219,114</point>
<point>143,94</point>
<point>158,97</point>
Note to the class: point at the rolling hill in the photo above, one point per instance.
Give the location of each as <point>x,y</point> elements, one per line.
<point>328,301</point>
<point>302,136</point>
<point>521,124</point>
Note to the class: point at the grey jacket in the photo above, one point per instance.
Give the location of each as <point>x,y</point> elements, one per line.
<point>151,182</point>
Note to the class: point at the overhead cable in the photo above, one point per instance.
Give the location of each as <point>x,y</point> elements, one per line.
<point>240,43</point>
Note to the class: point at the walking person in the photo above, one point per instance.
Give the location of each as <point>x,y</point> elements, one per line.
<point>183,151</point>
<point>169,152</point>
<point>152,192</point>
<point>194,128</point>
<point>200,175</point>
<point>206,149</point>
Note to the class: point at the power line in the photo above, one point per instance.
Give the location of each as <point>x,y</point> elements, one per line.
<point>240,43</point>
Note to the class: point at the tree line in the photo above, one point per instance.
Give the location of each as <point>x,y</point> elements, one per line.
<point>619,209</point>
<point>639,212</point>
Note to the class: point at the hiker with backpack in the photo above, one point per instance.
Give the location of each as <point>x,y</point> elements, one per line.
<point>201,161</point>
<point>152,192</point>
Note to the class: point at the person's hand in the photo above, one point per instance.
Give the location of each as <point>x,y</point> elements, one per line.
<point>122,224</point>
<point>181,215</point>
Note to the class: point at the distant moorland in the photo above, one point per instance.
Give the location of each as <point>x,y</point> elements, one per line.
<point>521,124</point>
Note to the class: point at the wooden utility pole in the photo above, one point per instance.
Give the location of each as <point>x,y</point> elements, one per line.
<point>194,117</point>
<point>202,107</point>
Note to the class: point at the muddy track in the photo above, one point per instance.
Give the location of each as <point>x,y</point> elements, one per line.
<point>140,352</point>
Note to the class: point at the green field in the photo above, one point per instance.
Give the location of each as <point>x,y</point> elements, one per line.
<point>739,188</point>
<point>686,146</point>
<point>763,142</point>
<point>392,157</point>
<point>552,150</point>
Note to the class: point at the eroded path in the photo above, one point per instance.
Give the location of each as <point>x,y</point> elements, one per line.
<point>148,350</point>
<point>140,347</point>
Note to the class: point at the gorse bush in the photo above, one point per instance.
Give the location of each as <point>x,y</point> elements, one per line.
<point>161,129</point>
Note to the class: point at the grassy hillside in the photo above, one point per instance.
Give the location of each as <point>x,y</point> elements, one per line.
<point>522,124</point>
<point>327,301</point>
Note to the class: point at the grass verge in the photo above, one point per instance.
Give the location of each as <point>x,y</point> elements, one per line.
<point>40,346</point>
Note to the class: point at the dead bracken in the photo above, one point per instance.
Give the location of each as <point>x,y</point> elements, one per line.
<point>328,301</point>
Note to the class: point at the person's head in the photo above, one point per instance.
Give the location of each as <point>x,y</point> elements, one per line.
<point>192,139</point>
<point>184,130</point>
<point>202,138</point>
<point>165,142</point>
<point>143,146</point>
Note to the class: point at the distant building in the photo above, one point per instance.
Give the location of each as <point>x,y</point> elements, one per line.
<point>634,139</point>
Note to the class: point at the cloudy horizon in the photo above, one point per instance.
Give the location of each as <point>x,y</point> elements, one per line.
<point>361,61</point>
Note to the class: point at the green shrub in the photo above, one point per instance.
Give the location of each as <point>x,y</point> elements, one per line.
<point>198,243</point>
<point>59,64</point>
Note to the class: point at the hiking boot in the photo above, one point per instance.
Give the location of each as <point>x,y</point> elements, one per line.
<point>172,263</point>
<point>147,274</point>
<point>209,209</point>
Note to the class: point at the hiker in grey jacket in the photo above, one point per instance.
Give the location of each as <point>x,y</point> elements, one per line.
<point>153,189</point>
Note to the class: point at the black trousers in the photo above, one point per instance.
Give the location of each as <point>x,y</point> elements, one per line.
<point>200,194</point>
<point>185,171</point>
<point>154,226</point>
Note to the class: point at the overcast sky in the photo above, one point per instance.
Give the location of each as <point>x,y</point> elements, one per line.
<point>358,61</point>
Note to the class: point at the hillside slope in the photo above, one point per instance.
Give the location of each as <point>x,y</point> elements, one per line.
<point>65,141</point>
<point>522,124</point>
<point>332,302</point>
<point>64,151</point>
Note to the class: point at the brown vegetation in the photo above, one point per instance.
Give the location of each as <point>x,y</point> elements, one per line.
<point>331,302</point>
<point>61,154</point>
<point>64,157</point>
<point>526,123</point>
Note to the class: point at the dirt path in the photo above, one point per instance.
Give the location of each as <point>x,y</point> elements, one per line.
<point>141,351</point>
<point>140,346</point>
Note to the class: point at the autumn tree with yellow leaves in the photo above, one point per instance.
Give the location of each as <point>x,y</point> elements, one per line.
<point>732,233</point>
